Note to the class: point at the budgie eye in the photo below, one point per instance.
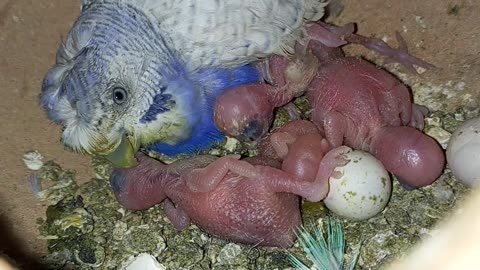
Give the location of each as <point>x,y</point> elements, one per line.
<point>119,95</point>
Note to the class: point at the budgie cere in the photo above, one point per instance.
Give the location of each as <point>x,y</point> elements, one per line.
<point>146,73</point>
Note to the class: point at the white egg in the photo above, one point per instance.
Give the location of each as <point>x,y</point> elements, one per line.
<point>144,261</point>
<point>463,153</point>
<point>362,191</point>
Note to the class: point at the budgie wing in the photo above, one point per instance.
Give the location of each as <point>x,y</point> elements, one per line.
<point>230,33</point>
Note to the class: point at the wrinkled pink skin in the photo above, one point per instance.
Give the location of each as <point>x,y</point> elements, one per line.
<point>246,112</point>
<point>248,201</point>
<point>372,111</point>
<point>357,104</point>
<point>304,153</point>
<point>238,209</point>
<point>346,33</point>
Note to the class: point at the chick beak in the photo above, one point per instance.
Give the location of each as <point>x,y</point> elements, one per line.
<point>124,155</point>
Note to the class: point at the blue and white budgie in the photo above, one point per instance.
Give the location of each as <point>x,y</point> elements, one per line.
<point>146,73</point>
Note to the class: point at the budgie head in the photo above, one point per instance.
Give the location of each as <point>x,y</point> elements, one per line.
<point>117,85</point>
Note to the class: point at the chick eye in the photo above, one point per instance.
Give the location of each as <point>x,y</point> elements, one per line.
<point>119,95</point>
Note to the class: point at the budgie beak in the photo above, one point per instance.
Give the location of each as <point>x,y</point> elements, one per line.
<point>124,155</point>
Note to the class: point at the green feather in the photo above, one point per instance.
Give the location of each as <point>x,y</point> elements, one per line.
<point>325,254</point>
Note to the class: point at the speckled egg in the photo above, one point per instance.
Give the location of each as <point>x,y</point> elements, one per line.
<point>362,191</point>
<point>463,153</point>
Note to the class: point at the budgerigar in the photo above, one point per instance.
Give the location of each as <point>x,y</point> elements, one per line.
<point>146,73</point>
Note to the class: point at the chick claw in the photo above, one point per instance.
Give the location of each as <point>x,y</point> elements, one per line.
<point>337,157</point>
<point>399,55</point>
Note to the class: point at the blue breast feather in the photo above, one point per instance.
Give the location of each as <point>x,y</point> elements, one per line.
<point>214,81</point>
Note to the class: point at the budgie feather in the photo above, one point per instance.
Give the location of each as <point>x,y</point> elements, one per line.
<point>138,73</point>
<point>205,135</point>
<point>326,253</point>
<point>230,33</point>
